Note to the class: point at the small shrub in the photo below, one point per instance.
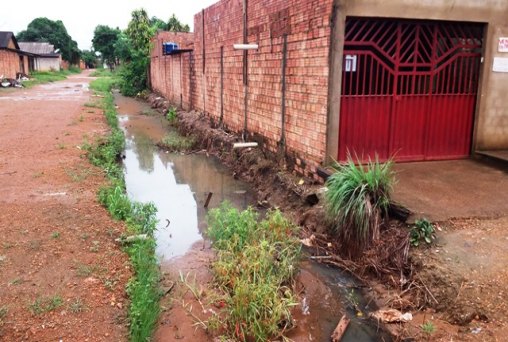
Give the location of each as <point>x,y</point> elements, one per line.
<point>357,199</point>
<point>256,263</point>
<point>428,328</point>
<point>175,142</point>
<point>171,115</point>
<point>423,230</point>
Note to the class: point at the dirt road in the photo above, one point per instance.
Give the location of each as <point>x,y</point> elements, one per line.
<point>62,277</point>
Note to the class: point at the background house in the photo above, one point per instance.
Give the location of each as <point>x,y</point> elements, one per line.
<point>417,80</point>
<point>12,59</point>
<point>46,58</point>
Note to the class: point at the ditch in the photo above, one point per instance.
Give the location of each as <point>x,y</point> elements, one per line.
<point>180,184</point>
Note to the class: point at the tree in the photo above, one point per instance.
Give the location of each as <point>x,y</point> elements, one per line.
<point>140,32</point>
<point>104,40</point>
<point>135,71</point>
<point>175,25</point>
<point>158,24</point>
<point>89,58</point>
<point>53,32</point>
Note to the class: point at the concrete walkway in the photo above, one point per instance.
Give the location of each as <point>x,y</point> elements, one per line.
<point>441,190</point>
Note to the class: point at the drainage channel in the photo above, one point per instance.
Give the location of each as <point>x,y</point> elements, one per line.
<point>179,186</point>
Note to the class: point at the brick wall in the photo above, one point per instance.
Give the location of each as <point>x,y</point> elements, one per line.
<point>171,75</point>
<point>9,63</point>
<point>307,26</point>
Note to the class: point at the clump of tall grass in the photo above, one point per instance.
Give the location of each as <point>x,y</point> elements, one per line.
<point>357,200</point>
<point>173,141</point>
<point>255,267</point>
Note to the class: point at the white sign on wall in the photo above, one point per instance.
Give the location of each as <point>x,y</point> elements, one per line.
<point>350,63</point>
<point>503,44</point>
<point>500,64</point>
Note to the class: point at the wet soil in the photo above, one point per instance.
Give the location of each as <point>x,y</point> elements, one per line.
<point>57,241</point>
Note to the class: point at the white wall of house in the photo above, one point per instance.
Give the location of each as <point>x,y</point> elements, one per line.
<point>47,64</point>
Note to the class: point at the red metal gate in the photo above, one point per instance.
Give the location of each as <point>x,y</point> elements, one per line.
<point>409,89</point>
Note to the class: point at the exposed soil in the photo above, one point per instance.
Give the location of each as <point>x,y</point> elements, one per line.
<point>459,283</point>
<point>62,275</point>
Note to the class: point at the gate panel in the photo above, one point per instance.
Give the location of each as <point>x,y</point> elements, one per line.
<point>408,89</point>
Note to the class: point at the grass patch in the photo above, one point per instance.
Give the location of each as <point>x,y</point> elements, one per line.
<point>255,268</point>
<point>102,72</point>
<point>40,77</point>
<point>42,305</point>
<point>77,306</point>
<point>173,141</point>
<point>357,199</point>
<point>140,219</point>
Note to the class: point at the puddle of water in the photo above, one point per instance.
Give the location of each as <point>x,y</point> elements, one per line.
<point>178,185</point>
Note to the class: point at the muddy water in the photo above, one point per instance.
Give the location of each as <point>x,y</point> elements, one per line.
<point>179,184</point>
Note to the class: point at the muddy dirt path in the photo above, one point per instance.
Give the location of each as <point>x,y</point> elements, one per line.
<point>62,277</point>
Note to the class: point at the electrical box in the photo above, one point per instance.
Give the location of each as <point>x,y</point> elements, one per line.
<point>169,48</point>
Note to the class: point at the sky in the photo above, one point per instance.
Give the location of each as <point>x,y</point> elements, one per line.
<point>81,17</point>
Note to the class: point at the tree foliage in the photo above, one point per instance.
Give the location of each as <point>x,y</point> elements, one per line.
<point>104,41</point>
<point>54,32</point>
<point>89,58</point>
<point>174,25</point>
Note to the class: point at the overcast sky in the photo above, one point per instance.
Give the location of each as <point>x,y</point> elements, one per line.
<point>81,17</point>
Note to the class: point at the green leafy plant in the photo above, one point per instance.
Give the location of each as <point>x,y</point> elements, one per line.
<point>357,200</point>
<point>171,115</point>
<point>423,230</point>
<point>428,329</point>
<point>255,267</point>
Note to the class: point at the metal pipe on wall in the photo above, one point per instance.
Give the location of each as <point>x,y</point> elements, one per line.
<point>282,142</point>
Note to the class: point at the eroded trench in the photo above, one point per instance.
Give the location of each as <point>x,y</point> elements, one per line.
<point>179,185</point>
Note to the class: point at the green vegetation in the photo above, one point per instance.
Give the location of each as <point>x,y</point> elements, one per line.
<point>428,329</point>
<point>171,115</point>
<point>40,77</point>
<point>255,267</point>
<point>173,141</point>
<point>45,304</point>
<point>55,235</point>
<point>101,72</point>
<point>423,230</point>
<point>140,219</point>
<point>358,197</point>
<point>46,30</point>
<point>76,306</point>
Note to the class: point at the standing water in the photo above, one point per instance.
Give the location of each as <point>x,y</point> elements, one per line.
<point>179,185</point>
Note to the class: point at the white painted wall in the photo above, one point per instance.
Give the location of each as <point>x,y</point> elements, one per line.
<point>47,64</point>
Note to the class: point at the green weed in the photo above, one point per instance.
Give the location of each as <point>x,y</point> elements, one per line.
<point>102,72</point>
<point>357,199</point>
<point>55,235</point>
<point>423,230</point>
<point>171,115</point>
<point>428,329</point>
<point>76,306</point>
<point>255,267</point>
<point>140,218</point>
<point>175,142</point>
<point>42,305</point>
